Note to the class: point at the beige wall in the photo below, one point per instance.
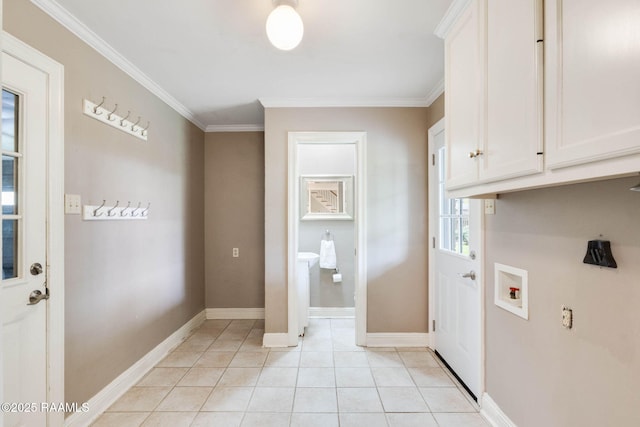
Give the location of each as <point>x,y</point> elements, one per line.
<point>234,206</point>
<point>396,210</point>
<point>539,373</point>
<point>435,111</point>
<point>128,285</point>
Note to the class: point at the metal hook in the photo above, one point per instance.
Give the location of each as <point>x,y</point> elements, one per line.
<point>95,212</point>
<point>109,211</point>
<point>144,212</point>
<point>111,114</point>
<point>144,131</point>
<point>123,210</point>
<point>133,212</point>
<point>95,109</point>
<point>124,119</point>
<point>133,127</point>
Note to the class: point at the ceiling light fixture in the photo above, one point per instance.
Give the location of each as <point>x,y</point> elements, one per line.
<point>284,25</point>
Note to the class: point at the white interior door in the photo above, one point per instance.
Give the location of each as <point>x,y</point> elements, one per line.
<point>456,274</point>
<point>24,261</point>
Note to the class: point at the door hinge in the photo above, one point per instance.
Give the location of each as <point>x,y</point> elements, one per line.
<point>433,159</point>
<point>433,242</point>
<point>433,326</point>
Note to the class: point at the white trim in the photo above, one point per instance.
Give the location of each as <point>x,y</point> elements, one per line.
<point>235,128</point>
<point>55,212</point>
<point>410,339</point>
<point>276,340</point>
<point>235,313</point>
<point>450,17</point>
<point>342,102</point>
<point>332,312</point>
<point>437,90</point>
<point>492,413</point>
<point>112,392</point>
<point>84,33</point>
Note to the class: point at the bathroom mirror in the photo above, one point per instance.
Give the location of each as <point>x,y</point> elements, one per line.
<point>326,197</point>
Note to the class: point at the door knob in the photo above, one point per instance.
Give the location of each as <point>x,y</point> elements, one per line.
<point>474,154</point>
<point>36,268</point>
<point>470,275</point>
<point>37,296</point>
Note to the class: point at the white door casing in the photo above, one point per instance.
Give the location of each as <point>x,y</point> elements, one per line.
<point>455,302</point>
<point>360,224</point>
<point>33,336</point>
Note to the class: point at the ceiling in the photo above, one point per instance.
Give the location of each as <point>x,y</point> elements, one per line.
<point>211,60</point>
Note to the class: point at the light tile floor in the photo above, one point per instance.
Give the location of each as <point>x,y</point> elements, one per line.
<point>221,376</point>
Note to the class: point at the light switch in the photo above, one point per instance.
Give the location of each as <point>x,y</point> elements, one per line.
<point>72,204</point>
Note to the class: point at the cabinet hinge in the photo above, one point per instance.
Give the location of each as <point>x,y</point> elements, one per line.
<point>433,326</point>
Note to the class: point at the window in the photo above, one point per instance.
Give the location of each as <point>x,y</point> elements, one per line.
<point>10,164</point>
<point>454,216</point>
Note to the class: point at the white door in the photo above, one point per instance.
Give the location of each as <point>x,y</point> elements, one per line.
<point>24,260</point>
<point>456,274</point>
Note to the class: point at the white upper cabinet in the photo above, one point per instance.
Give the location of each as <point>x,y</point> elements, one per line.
<point>593,80</point>
<point>513,89</point>
<point>493,90</point>
<point>462,98</point>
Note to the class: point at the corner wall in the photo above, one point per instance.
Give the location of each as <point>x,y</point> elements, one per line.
<point>396,210</point>
<point>234,206</point>
<point>128,285</point>
<point>539,373</point>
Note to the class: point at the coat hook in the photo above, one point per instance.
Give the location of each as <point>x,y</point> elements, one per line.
<point>144,131</point>
<point>95,109</point>
<point>144,212</point>
<point>109,211</point>
<point>95,212</point>
<point>123,210</point>
<point>111,114</point>
<point>124,119</point>
<point>133,212</point>
<point>133,127</point>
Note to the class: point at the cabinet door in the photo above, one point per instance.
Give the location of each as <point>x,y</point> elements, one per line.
<point>514,90</point>
<point>462,98</point>
<point>593,80</point>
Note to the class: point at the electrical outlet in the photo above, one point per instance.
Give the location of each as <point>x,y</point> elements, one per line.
<point>72,204</point>
<point>567,317</point>
<point>489,207</point>
<point>236,252</point>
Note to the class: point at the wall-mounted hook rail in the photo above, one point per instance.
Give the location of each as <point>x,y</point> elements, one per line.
<point>115,212</point>
<point>109,117</point>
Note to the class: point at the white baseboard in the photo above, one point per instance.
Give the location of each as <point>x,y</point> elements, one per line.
<point>235,313</point>
<point>112,392</point>
<point>397,340</point>
<point>492,413</point>
<point>332,312</point>
<point>276,340</point>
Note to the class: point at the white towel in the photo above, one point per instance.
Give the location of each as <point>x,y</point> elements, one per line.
<point>327,254</point>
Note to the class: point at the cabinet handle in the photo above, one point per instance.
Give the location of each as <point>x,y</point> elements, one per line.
<point>474,154</point>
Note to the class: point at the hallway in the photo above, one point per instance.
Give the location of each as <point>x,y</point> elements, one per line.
<point>222,376</point>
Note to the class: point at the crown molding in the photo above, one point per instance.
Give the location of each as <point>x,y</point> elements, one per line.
<point>451,15</point>
<point>235,128</point>
<point>437,90</point>
<point>80,30</point>
<point>342,102</point>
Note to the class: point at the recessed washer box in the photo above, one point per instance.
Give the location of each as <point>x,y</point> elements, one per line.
<point>511,289</point>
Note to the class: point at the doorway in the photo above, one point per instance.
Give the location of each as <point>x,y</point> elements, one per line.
<point>455,273</point>
<point>344,215</point>
<point>32,287</point>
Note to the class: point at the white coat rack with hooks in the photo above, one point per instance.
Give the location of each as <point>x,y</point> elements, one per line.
<point>111,117</point>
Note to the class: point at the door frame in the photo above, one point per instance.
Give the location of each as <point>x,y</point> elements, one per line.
<point>434,223</point>
<point>360,224</point>
<point>54,214</point>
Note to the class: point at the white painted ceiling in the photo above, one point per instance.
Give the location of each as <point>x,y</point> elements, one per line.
<point>213,56</point>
